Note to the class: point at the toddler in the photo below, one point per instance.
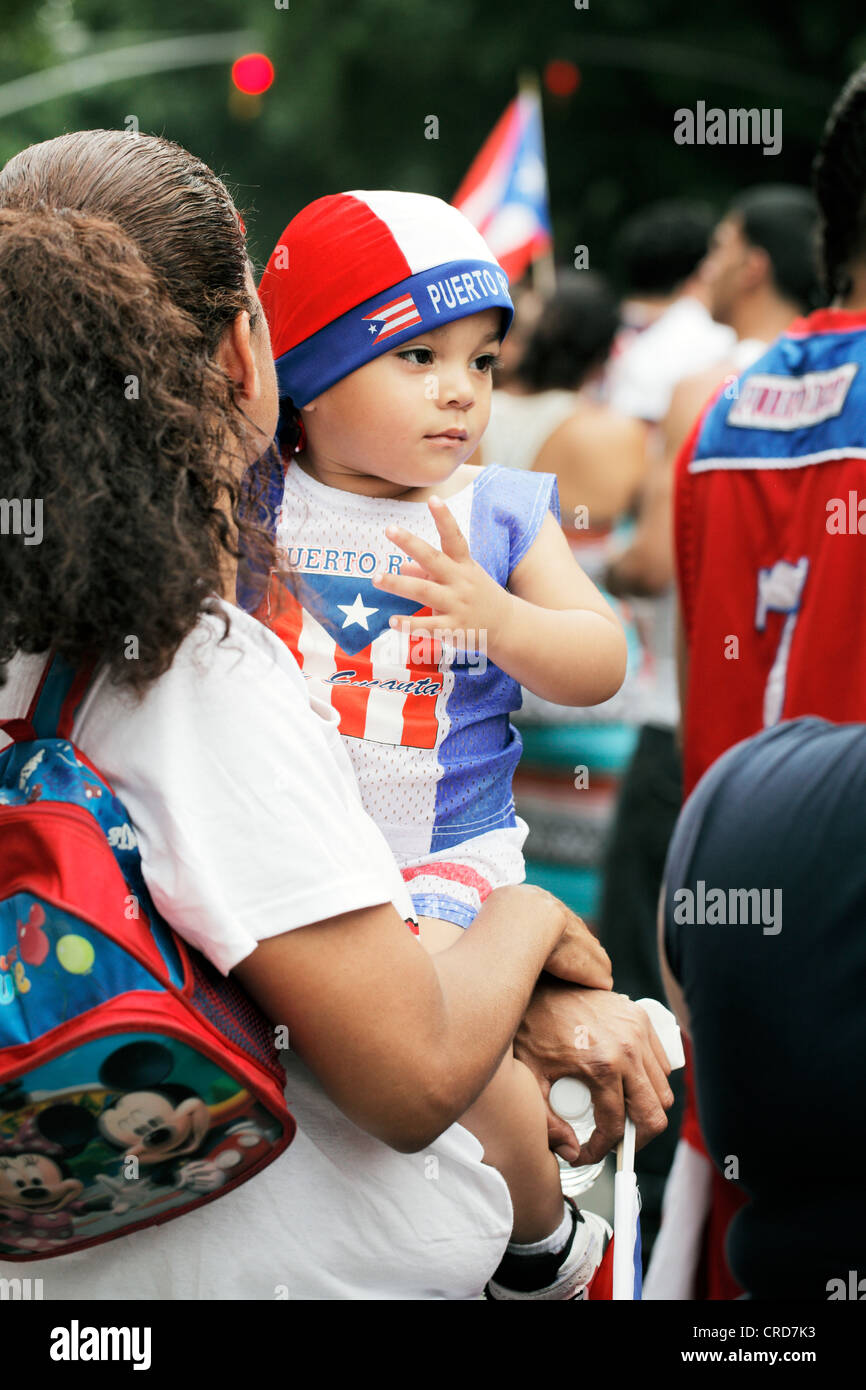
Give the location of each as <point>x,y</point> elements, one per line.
<point>418,592</point>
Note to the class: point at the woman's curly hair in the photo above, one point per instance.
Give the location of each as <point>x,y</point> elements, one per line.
<point>122,263</point>
<point>839,181</point>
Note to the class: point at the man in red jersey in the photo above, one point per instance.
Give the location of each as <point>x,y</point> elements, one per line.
<point>770,560</point>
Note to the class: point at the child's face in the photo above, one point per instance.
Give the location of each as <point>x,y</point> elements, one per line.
<point>413,415</point>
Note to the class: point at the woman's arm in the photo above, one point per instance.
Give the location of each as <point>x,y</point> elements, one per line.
<point>403,1042</point>
<point>256,848</point>
<point>645,567</point>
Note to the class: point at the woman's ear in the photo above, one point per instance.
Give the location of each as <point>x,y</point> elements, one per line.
<point>236,357</point>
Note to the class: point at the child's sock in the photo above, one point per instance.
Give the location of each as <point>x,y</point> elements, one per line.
<point>558,1267</point>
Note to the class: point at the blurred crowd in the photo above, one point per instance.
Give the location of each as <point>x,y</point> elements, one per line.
<point>602,383</point>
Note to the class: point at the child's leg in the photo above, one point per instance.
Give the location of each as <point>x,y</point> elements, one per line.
<point>555,1249</point>
<point>508,1118</point>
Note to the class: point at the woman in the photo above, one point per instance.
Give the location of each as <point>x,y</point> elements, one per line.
<point>136,387</point>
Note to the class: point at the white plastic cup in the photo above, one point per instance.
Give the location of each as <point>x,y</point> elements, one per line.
<point>572,1099</point>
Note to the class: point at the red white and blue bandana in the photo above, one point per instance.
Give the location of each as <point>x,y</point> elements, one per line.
<point>357,274</point>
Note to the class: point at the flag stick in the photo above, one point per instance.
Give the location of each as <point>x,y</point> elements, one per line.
<point>626,1200</point>
<point>542,268</point>
<point>625,1215</point>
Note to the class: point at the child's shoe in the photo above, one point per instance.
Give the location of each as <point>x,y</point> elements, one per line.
<point>557,1277</point>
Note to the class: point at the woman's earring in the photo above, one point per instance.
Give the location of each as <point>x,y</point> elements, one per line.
<point>301,443</point>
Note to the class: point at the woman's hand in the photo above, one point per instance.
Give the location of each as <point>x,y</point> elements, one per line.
<point>603,1039</point>
<point>578,956</point>
<point>464,598</point>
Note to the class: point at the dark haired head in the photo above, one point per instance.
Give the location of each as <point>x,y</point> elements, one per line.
<point>661,246</point>
<point>839,180</point>
<point>572,335</point>
<point>122,264</point>
<point>782,220</point>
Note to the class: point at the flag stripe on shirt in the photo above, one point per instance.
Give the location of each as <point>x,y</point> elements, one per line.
<point>420,725</point>
<point>281,612</point>
<point>352,701</point>
<point>385,707</point>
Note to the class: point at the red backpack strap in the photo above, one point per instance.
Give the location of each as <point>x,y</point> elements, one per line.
<point>55,702</point>
<point>75,694</point>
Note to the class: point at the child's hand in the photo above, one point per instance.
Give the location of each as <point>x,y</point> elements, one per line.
<point>463,596</point>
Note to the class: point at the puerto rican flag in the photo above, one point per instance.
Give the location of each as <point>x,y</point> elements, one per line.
<point>393,317</point>
<point>601,1289</point>
<point>338,629</point>
<point>504,194</point>
<point>619,1277</point>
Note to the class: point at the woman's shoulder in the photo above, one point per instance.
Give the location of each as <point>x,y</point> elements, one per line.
<point>223,640</point>
<point>228,670</point>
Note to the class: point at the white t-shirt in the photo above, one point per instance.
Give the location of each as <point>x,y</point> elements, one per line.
<point>250,824</point>
<point>684,340</point>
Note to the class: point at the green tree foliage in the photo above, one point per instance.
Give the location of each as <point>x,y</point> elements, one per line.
<point>356,81</point>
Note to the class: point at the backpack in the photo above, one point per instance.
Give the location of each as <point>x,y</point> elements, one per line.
<point>136,1082</point>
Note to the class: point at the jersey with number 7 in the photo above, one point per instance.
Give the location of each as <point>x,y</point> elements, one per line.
<point>770,528</point>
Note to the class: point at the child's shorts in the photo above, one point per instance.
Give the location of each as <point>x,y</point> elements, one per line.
<point>452,884</point>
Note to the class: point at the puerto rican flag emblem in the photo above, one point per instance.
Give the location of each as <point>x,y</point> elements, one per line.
<point>393,317</point>
<point>338,631</point>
